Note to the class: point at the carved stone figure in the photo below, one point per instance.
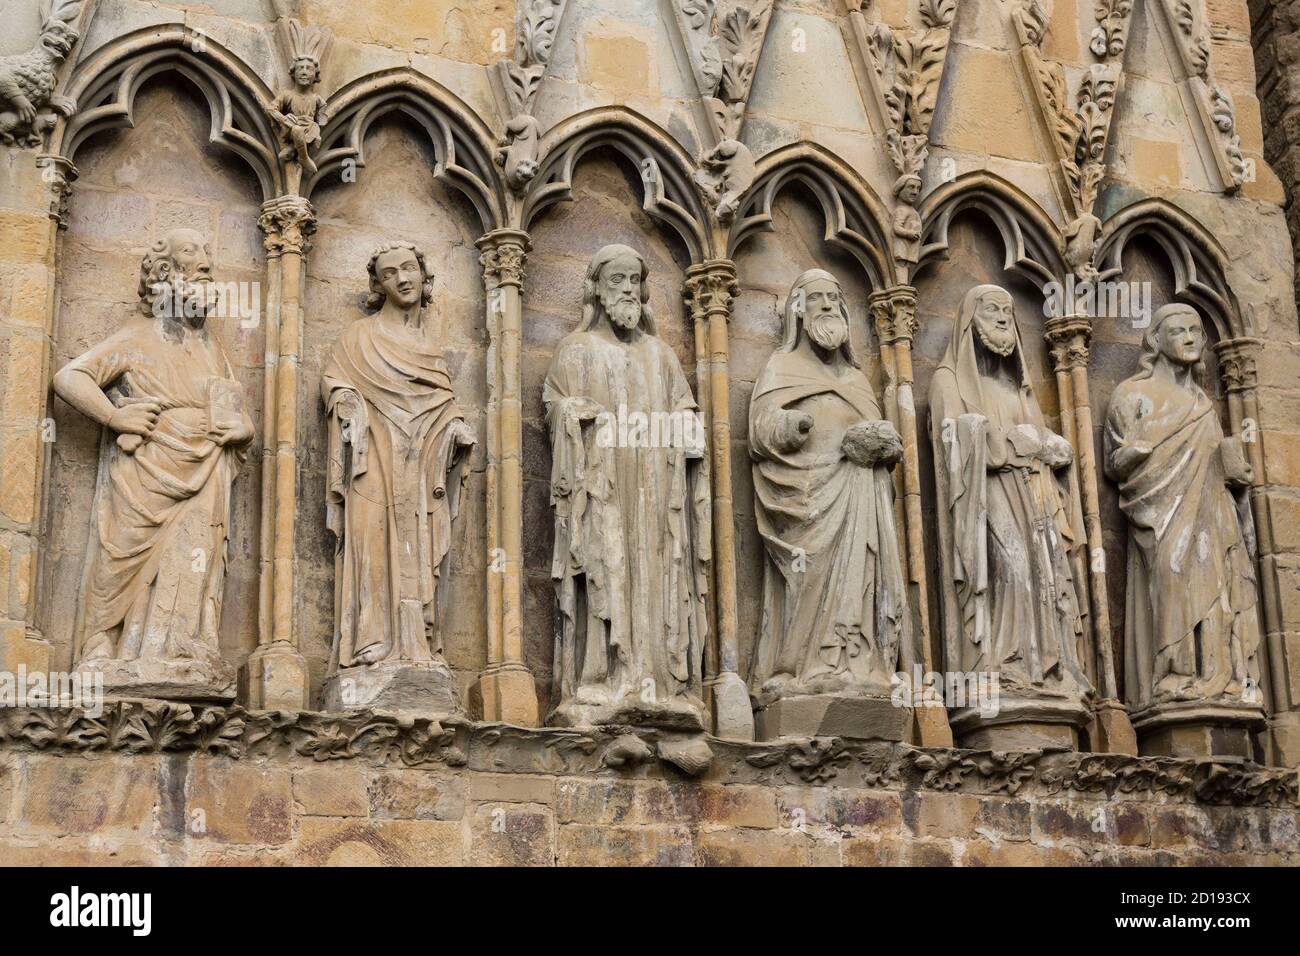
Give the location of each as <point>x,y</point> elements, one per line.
<point>397,450</point>
<point>29,106</point>
<point>1010,535</point>
<point>151,601</point>
<point>1192,627</point>
<point>725,172</point>
<point>517,152</point>
<point>835,614</point>
<point>630,488</point>
<point>297,109</point>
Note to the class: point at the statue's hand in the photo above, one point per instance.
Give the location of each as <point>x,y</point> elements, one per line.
<point>1056,451</point>
<point>1236,468</point>
<point>1024,438</point>
<point>584,409</point>
<point>1128,457</point>
<point>232,433</point>
<point>792,430</point>
<point>136,418</point>
<point>26,111</point>
<point>872,444</point>
<point>462,434</point>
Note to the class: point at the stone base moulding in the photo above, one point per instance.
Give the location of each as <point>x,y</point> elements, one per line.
<point>274,678</point>
<point>509,695</point>
<point>1196,729</point>
<point>403,687</point>
<point>833,715</point>
<point>183,680</point>
<point>1021,724</point>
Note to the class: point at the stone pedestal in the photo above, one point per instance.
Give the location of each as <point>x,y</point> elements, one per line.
<point>680,713</point>
<point>832,715</point>
<point>425,689</point>
<point>1196,729</point>
<point>274,678</point>
<point>733,716</point>
<point>1024,724</point>
<point>1111,730</point>
<point>180,680</point>
<point>509,695</point>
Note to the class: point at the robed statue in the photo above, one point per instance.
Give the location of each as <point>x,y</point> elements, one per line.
<point>175,435</point>
<point>1011,539</point>
<point>835,617</point>
<point>398,446</point>
<point>1191,627</point>
<point>630,489</point>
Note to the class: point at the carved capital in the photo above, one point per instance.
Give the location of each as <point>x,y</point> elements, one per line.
<point>894,312</point>
<point>1237,363</point>
<point>288,222</point>
<point>60,173</point>
<point>502,255</point>
<point>1068,337</point>
<point>710,288</point>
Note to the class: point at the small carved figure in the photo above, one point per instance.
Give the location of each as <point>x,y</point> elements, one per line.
<point>30,105</point>
<point>726,172</point>
<point>298,109</point>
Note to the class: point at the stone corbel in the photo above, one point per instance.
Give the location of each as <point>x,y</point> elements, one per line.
<point>275,675</point>
<point>710,289</point>
<point>894,312</point>
<point>508,691</point>
<point>1068,337</point>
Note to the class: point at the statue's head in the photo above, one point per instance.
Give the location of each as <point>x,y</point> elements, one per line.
<point>176,277</point>
<point>908,188</point>
<point>306,71</point>
<point>616,288</point>
<point>398,272</point>
<point>994,319</point>
<point>59,38</point>
<point>816,307</point>
<point>1177,333</point>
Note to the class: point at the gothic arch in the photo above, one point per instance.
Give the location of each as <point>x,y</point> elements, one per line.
<point>1031,241</point>
<point>105,87</point>
<point>1198,261</point>
<point>666,171</point>
<point>854,215</point>
<point>461,139</point>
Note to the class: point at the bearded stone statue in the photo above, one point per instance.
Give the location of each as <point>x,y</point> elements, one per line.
<point>632,512</point>
<point>1011,536</point>
<point>175,434</point>
<point>1191,629</point>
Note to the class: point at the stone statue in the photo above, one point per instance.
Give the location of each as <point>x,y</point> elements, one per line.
<point>630,488</point>
<point>1011,537</point>
<point>29,107</point>
<point>297,110</point>
<point>151,602</point>
<point>1192,627</point>
<point>397,449</point>
<point>835,614</point>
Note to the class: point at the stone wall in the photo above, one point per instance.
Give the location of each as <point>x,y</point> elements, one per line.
<point>274,789</point>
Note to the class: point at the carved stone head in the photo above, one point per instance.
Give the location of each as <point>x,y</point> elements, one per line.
<point>995,321</point>
<point>398,271</point>
<point>615,287</point>
<point>176,277</point>
<point>1176,333</point>
<point>816,306</point>
<point>59,39</point>
<point>306,71</point>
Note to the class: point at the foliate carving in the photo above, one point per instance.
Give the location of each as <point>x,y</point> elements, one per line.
<point>894,311</point>
<point>535,24</point>
<point>1192,39</point>
<point>163,388</point>
<point>288,223</point>
<point>1110,35</point>
<point>60,174</point>
<point>29,107</point>
<point>709,291</point>
<point>1068,338</point>
<point>297,110</point>
<point>1224,117</point>
<point>398,446</point>
<point>503,259</point>
<point>1237,363</point>
<point>912,66</point>
<point>696,18</point>
<point>740,39</point>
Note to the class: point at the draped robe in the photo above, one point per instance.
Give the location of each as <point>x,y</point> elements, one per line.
<point>1191,626</point>
<point>834,599</point>
<point>157,558</point>
<point>1011,540</point>
<point>632,528</point>
<point>395,470</point>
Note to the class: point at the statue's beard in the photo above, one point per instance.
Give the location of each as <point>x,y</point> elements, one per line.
<point>829,330</point>
<point>182,298</point>
<point>625,313</point>
<point>999,342</point>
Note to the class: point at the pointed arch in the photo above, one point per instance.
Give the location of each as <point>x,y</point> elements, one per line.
<point>463,143</point>
<point>1198,262</point>
<point>1031,241</point>
<point>855,217</point>
<point>106,84</point>
<point>666,171</point>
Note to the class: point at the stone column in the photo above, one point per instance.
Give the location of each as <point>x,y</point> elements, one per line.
<point>509,693</point>
<point>1238,374</point>
<point>894,312</point>
<point>275,675</point>
<point>1069,337</point>
<point>710,288</point>
<point>33,207</point>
